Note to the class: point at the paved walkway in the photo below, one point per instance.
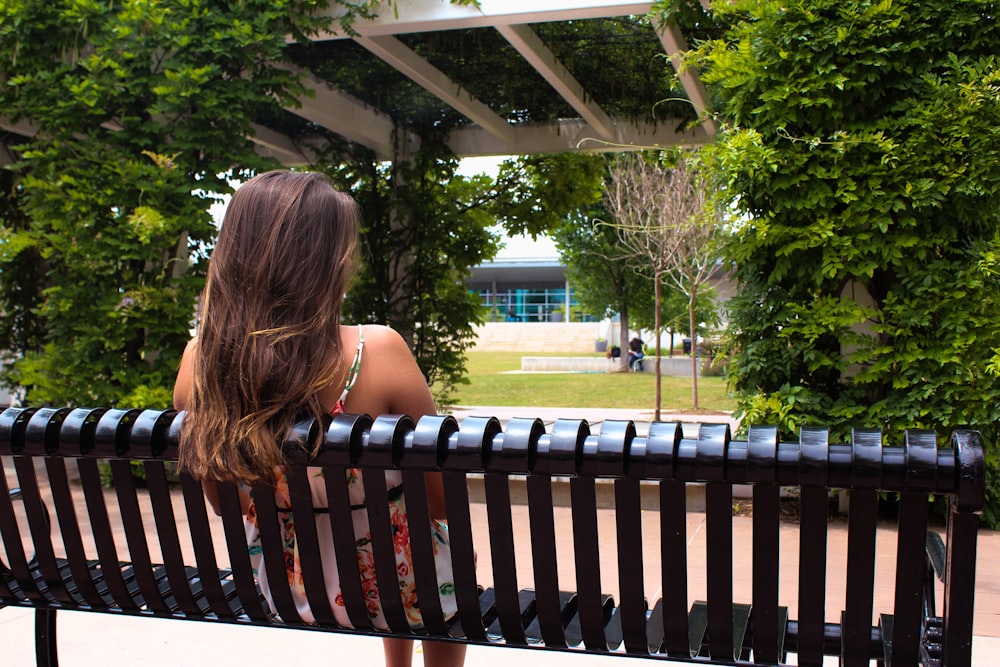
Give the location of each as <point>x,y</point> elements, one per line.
<point>102,640</point>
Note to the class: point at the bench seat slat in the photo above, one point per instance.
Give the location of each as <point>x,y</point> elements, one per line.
<point>535,631</point>
<point>524,601</point>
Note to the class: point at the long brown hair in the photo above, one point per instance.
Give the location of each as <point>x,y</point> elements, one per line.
<point>269,337</point>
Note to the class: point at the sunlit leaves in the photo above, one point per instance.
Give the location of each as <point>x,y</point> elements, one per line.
<point>861,144</point>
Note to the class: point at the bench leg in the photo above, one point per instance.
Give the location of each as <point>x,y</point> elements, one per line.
<point>46,653</point>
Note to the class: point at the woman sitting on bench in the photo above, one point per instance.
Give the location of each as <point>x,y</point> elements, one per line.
<point>270,348</point>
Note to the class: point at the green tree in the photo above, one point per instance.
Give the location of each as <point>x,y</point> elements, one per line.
<point>137,110</point>
<point>605,284</point>
<point>138,113</point>
<point>446,231</point>
<point>862,150</point>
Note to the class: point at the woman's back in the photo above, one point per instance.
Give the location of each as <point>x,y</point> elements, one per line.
<point>270,347</point>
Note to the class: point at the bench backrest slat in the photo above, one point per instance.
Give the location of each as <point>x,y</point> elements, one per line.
<point>959,589</point>
<point>719,545</point>
<point>239,557</point>
<point>764,611</point>
<point>310,555</point>
<point>69,528</point>
<point>628,513</point>
<point>587,560</point>
<point>857,618</point>
<point>209,587</point>
<point>907,606</point>
<point>813,516</point>
<point>100,524</point>
<point>135,535</point>
<point>673,568</point>
<point>344,545</point>
<point>379,523</point>
<point>272,544</point>
<point>543,559</point>
<point>502,552</point>
<point>422,548</point>
<point>38,527</point>
<point>463,554</point>
<point>169,540</point>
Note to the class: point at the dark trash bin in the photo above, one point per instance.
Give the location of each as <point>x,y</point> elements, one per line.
<point>687,346</point>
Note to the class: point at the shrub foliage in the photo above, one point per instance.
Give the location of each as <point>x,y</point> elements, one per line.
<point>861,145</point>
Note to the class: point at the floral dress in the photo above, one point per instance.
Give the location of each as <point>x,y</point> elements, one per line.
<point>363,546</point>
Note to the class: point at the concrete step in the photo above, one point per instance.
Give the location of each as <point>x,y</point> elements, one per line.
<point>672,366</point>
<point>537,336</point>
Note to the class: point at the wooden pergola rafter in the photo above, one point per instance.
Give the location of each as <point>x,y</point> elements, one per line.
<point>488,133</point>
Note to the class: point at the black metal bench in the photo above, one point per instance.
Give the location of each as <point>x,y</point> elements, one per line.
<point>77,546</point>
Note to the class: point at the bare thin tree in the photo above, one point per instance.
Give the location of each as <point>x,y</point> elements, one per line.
<point>663,216</point>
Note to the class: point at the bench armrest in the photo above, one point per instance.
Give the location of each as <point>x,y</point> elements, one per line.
<point>936,554</point>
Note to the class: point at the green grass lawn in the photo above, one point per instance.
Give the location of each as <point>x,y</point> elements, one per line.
<point>493,384</point>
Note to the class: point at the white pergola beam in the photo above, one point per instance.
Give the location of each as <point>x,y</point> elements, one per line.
<point>23,127</point>
<point>274,144</point>
<point>432,15</point>
<point>674,43</point>
<point>534,51</point>
<point>346,116</point>
<point>576,136</point>
<point>407,62</point>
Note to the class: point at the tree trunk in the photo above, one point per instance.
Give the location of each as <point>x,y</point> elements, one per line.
<point>401,276</point>
<point>657,328</point>
<point>694,347</point>
<point>623,332</point>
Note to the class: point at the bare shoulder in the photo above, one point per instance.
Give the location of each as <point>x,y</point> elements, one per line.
<point>391,381</point>
<point>385,338</point>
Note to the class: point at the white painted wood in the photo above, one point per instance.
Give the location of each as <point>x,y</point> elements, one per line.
<point>531,47</point>
<point>433,15</point>
<point>400,56</point>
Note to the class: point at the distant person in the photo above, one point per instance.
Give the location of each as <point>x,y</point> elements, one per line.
<point>270,348</point>
<point>636,354</point>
